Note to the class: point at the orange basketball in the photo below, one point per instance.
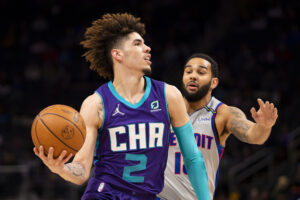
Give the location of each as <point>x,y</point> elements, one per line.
<point>58,126</point>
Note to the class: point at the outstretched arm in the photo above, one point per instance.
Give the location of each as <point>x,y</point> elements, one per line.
<point>78,171</point>
<point>183,129</point>
<point>248,131</point>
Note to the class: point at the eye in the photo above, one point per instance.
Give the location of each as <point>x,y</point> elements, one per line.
<point>201,72</point>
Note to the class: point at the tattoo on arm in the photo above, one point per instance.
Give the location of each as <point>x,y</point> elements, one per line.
<point>238,124</point>
<point>76,169</point>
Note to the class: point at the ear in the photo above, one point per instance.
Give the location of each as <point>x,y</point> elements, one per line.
<point>116,55</point>
<point>214,82</point>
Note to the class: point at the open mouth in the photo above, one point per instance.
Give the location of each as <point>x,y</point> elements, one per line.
<point>147,58</point>
<point>192,86</point>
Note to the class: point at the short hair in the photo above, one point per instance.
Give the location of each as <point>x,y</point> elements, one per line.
<point>105,34</point>
<point>214,65</point>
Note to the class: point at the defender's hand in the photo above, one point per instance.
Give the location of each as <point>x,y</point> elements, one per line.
<point>55,165</point>
<point>267,114</point>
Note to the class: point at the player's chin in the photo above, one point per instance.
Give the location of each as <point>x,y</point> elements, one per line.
<point>147,70</point>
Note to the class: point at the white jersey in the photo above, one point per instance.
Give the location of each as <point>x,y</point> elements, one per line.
<point>177,185</point>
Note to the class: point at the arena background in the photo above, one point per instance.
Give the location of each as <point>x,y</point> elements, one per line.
<point>256,44</point>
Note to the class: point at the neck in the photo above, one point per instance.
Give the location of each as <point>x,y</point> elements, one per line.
<point>129,85</point>
<point>194,106</point>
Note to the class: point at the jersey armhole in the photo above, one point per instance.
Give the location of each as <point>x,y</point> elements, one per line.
<point>166,103</point>
<point>103,120</point>
<point>213,123</point>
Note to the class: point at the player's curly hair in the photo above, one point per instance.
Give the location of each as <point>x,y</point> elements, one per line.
<point>105,34</point>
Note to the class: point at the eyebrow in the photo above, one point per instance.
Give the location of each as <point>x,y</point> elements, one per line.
<point>201,66</point>
<point>137,40</point>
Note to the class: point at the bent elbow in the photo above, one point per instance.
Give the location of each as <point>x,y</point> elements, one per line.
<point>80,181</point>
<point>261,142</point>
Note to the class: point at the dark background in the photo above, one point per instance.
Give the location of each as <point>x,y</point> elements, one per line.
<point>256,44</point>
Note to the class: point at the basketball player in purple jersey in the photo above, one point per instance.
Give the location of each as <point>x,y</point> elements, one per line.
<point>128,120</point>
<point>213,122</point>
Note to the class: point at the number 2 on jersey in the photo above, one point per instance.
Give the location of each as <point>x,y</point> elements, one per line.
<point>178,164</point>
<point>129,169</point>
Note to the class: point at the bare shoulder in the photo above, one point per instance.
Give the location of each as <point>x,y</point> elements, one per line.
<point>235,112</point>
<point>230,111</point>
<point>227,113</point>
<point>92,110</point>
<point>176,106</point>
<point>230,119</point>
<point>221,119</point>
<point>172,93</point>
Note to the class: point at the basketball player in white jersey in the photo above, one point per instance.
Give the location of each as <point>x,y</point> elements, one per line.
<point>213,122</point>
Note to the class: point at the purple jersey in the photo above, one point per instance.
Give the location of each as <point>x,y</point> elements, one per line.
<point>132,144</point>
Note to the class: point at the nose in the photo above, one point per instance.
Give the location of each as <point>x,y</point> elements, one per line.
<point>147,49</point>
<point>193,76</point>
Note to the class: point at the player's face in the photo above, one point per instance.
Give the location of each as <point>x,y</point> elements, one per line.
<point>136,54</point>
<point>197,79</point>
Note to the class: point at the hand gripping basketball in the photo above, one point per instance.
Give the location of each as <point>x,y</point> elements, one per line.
<point>60,127</point>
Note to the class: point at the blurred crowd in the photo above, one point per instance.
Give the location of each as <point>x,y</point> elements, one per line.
<point>256,44</point>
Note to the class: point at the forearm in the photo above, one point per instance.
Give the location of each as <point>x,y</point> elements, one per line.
<point>193,160</point>
<point>197,175</point>
<point>246,130</point>
<point>74,172</point>
<point>258,134</point>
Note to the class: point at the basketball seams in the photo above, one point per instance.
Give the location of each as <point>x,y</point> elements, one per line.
<point>67,120</point>
<point>36,135</point>
<point>54,134</point>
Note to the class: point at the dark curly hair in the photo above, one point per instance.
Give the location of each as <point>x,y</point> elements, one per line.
<point>105,34</point>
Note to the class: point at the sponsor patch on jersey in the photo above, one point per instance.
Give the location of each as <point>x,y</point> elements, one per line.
<point>203,119</point>
<point>155,106</point>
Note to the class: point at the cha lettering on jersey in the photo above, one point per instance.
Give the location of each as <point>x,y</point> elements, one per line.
<point>136,134</point>
<point>202,140</point>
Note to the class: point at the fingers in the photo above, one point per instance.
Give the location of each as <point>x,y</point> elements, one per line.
<point>62,159</point>
<point>260,102</point>
<point>68,158</point>
<point>41,152</point>
<point>50,153</point>
<point>266,105</point>
<point>267,111</point>
<point>275,114</point>
<point>49,160</point>
<point>253,112</point>
<point>36,152</point>
<point>62,155</point>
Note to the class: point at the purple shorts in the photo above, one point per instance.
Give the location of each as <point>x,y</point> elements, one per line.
<point>100,190</point>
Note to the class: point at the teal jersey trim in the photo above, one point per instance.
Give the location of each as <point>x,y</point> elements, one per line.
<point>166,102</point>
<point>103,107</point>
<point>121,99</point>
<point>167,111</point>
<point>98,133</point>
<point>96,158</point>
